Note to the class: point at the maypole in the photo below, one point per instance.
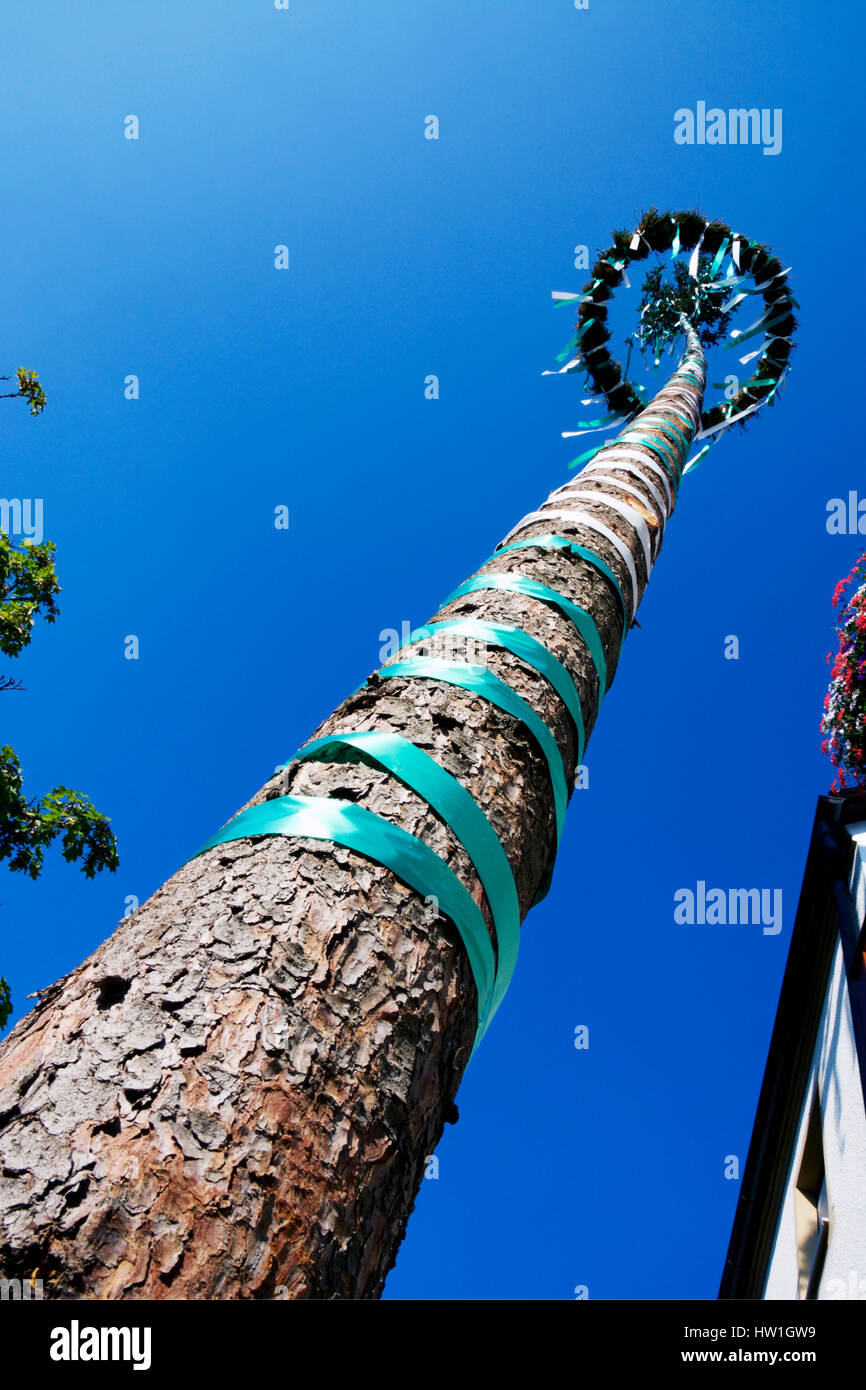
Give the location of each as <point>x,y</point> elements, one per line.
<point>234,1097</point>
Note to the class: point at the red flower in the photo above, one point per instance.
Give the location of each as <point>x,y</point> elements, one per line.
<point>844,717</point>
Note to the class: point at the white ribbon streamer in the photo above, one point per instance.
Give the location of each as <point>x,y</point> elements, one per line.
<point>594,429</point>
<point>732,303</point>
<point>740,415</point>
<point>764,283</point>
<point>750,356</point>
<point>728,283</point>
<point>557,371</point>
<point>738,332</point>
<point>695,256</point>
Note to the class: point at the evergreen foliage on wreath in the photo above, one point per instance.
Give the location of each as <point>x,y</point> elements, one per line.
<point>664,303</point>
<point>673,232</point>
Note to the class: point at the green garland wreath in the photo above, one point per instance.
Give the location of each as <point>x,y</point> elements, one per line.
<point>676,231</point>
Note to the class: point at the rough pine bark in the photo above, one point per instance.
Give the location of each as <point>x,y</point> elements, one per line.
<point>235,1095</point>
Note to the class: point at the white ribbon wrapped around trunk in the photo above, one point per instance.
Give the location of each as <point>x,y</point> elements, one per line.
<point>592,524</point>
<point>616,452</point>
<point>596,477</point>
<point>627,513</point>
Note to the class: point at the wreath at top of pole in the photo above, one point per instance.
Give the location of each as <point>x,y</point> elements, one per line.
<point>707,296</point>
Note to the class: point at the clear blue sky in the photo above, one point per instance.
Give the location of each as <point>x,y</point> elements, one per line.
<point>306,388</point>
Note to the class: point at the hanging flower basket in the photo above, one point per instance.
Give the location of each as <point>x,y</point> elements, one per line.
<point>845,702</point>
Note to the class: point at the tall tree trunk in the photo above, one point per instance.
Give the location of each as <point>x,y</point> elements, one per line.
<point>235,1095</point>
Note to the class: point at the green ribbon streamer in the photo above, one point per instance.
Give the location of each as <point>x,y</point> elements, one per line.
<point>693,462</point>
<point>408,858</point>
<point>498,693</point>
<point>577,298</point>
<point>675,248</point>
<point>566,351</point>
<point>521,584</point>
<point>534,653</point>
<point>604,420</point>
<point>718,258</point>
<point>562,543</point>
<point>760,327</point>
<point>458,809</point>
<point>584,458</point>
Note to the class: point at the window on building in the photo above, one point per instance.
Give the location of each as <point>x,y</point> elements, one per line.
<point>811,1209</point>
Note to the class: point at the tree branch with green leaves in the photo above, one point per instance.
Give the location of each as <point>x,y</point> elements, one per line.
<point>29,387</point>
<point>28,590</point>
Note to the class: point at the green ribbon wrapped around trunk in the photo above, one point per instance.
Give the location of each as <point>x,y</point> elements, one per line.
<point>520,644</point>
<point>522,584</point>
<point>329,818</point>
<point>562,543</point>
<point>460,812</point>
<point>491,688</point>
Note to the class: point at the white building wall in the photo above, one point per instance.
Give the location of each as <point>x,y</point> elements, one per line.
<point>782,1273</point>
<point>836,1072</point>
